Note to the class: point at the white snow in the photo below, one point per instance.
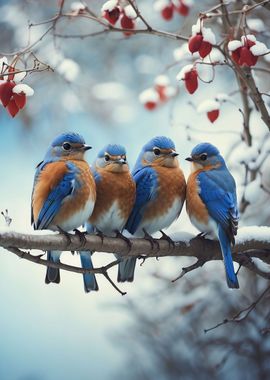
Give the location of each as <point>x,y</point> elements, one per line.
<point>215,57</point>
<point>234,44</point>
<point>162,80</point>
<point>180,52</point>
<point>252,190</point>
<point>253,232</point>
<point>208,106</point>
<point>222,97</point>
<point>244,154</point>
<point>159,5</point>
<point>3,62</point>
<point>130,12</point>
<point>256,24</point>
<point>188,3</point>
<point>196,28</point>
<point>249,37</point>
<point>170,91</point>
<point>185,69</point>
<point>27,90</point>
<point>69,69</point>
<point>109,5</point>
<point>259,48</point>
<point>148,95</point>
<point>209,36</point>
<point>19,77</point>
<point>77,6</point>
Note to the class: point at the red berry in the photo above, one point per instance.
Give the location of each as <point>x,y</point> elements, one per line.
<point>213,115</point>
<point>191,81</point>
<point>249,43</point>
<point>236,55</point>
<point>112,16</point>
<point>6,92</point>
<point>12,108</point>
<point>167,12</point>
<point>20,100</point>
<point>246,57</point>
<point>183,9</point>
<point>194,43</point>
<point>150,105</point>
<point>127,23</point>
<point>205,49</point>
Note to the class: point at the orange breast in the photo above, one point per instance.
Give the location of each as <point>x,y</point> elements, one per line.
<point>171,185</point>
<point>49,178</point>
<point>111,187</point>
<point>194,204</point>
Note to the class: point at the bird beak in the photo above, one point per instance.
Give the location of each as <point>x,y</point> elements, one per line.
<point>174,154</point>
<point>121,161</point>
<point>86,147</point>
<point>189,159</point>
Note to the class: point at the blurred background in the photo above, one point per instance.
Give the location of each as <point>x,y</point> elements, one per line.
<point>156,331</point>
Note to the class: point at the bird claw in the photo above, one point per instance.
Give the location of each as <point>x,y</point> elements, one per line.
<point>121,236</point>
<point>100,234</point>
<point>151,240</point>
<point>66,234</point>
<point>202,235</point>
<point>167,238</point>
<point>81,236</point>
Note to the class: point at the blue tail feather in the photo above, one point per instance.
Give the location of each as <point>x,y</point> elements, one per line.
<point>89,279</point>
<point>126,269</point>
<point>227,258</point>
<point>53,274</point>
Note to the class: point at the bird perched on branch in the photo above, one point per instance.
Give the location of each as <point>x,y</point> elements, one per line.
<point>160,195</point>
<point>115,199</point>
<point>64,191</point>
<point>211,201</point>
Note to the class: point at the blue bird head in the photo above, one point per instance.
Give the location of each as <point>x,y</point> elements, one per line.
<point>205,154</point>
<point>67,146</point>
<point>159,151</point>
<point>112,158</point>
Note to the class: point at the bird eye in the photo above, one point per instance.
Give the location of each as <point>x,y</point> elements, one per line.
<point>157,151</point>
<point>66,146</point>
<point>106,157</point>
<point>203,156</point>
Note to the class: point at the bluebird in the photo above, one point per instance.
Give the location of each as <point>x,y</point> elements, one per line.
<point>64,191</point>
<point>160,194</point>
<point>211,201</point>
<point>115,199</point>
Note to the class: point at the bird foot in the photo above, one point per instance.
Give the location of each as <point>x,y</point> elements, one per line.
<point>121,236</point>
<point>202,235</point>
<point>81,236</point>
<point>66,234</point>
<point>100,234</point>
<point>167,238</point>
<point>152,241</point>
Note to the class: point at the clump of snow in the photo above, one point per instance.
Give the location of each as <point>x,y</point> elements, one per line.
<point>3,62</point>
<point>208,106</point>
<point>249,37</point>
<point>130,12</point>
<point>196,28</point>
<point>214,57</point>
<point>77,6</point>
<point>162,80</point>
<point>252,190</point>
<point>149,95</point>
<point>109,5</point>
<point>234,44</point>
<point>259,49</point>
<point>170,91</point>
<point>69,69</point>
<point>253,233</point>
<point>222,97</point>
<point>182,73</point>
<point>159,5</point>
<point>188,3</point>
<point>23,88</point>
<point>256,24</point>
<point>19,76</point>
<point>208,36</point>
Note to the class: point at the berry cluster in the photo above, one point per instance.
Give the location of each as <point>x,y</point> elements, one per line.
<point>112,11</point>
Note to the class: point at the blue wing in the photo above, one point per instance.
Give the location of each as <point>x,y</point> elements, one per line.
<point>146,190</point>
<point>54,200</point>
<point>217,190</point>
